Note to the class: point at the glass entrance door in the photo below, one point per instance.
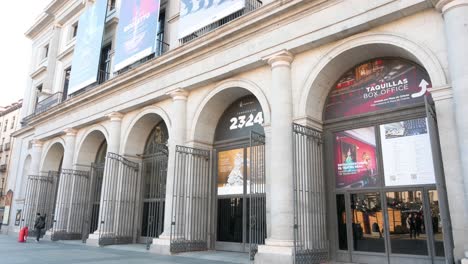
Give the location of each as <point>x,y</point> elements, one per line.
<point>232,200</point>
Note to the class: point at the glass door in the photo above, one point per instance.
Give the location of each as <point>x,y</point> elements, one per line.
<point>232,200</point>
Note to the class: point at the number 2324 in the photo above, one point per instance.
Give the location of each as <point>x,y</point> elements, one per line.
<point>244,121</point>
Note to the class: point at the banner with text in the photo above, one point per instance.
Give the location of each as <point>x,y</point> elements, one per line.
<point>379,84</point>
<point>195,14</point>
<point>85,64</point>
<point>136,32</point>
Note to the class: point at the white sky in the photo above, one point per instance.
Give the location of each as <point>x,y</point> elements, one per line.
<point>15,49</point>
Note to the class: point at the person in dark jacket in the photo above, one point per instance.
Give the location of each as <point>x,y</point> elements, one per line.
<point>39,224</point>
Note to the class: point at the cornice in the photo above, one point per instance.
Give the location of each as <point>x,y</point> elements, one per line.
<point>445,5</point>
<point>39,70</point>
<point>441,93</point>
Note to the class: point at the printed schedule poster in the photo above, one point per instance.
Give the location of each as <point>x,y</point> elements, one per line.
<point>407,154</point>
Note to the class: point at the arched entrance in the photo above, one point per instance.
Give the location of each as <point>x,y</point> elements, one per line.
<point>41,190</point>
<point>147,141</point>
<point>386,191</point>
<point>235,187</point>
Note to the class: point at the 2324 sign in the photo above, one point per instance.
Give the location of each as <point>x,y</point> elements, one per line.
<point>246,121</point>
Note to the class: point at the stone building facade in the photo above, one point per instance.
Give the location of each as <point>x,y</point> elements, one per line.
<point>152,153</point>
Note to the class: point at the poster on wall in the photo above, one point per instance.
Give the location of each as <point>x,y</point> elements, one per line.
<point>85,63</point>
<point>407,154</point>
<point>355,158</point>
<point>6,212</point>
<point>195,14</point>
<point>231,172</point>
<point>136,31</point>
<point>377,85</point>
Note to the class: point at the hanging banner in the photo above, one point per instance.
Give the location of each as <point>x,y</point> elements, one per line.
<point>376,85</point>
<point>407,154</point>
<point>6,213</point>
<point>355,158</point>
<point>195,14</point>
<point>136,32</point>
<point>85,64</point>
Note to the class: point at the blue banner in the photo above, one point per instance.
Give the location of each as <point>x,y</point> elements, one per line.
<point>85,64</point>
<point>136,32</point>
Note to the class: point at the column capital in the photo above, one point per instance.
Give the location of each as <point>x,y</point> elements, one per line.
<point>445,5</point>
<point>37,143</point>
<point>70,131</point>
<point>281,58</point>
<point>441,93</point>
<point>178,94</point>
<point>115,116</point>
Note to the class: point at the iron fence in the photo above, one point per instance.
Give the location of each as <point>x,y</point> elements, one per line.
<point>191,200</point>
<point>257,194</point>
<point>91,221</point>
<point>118,201</point>
<point>310,232</point>
<point>41,194</point>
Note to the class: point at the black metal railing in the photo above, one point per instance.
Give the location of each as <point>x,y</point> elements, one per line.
<point>250,5</point>
<point>48,102</point>
<point>103,76</point>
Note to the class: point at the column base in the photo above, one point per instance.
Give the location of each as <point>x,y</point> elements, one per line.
<point>93,240</point>
<point>275,251</point>
<point>465,259</point>
<point>161,245</point>
<point>64,235</point>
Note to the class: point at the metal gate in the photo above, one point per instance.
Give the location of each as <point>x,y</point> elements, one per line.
<point>191,200</point>
<point>71,205</point>
<point>257,194</point>
<point>41,194</point>
<point>94,199</point>
<point>310,230</point>
<point>119,196</point>
<point>154,176</point>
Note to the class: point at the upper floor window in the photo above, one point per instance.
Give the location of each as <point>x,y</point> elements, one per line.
<point>46,51</point>
<point>13,123</point>
<point>6,125</point>
<point>111,5</point>
<point>74,30</point>
<point>66,82</point>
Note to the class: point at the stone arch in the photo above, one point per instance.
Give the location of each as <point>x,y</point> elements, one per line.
<point>216,101</point>
<point>52,160</point>
<point>354,50</point>
<point>90,144</point>
<point>140,128</point>
<point>24,175</point>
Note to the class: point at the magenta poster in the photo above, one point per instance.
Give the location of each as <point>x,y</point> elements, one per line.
<point>377,85</point>
<point>355,158</point>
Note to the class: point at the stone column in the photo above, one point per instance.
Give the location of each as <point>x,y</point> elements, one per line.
<point>455,14</point>
<point>65,187</point>
<point>36,155</point>
<point>107,210</point>
<point>278,246</point>
<point>177,136</point>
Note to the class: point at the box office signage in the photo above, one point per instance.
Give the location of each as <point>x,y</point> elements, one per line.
<point>195,14</point>
<point>85,64</point>
<point>376,85</point>
<point>136,31</point>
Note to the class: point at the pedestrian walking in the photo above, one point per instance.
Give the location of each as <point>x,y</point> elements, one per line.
<point>39,224</point>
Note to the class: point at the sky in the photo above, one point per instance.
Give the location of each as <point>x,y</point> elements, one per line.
<point>16,17</point>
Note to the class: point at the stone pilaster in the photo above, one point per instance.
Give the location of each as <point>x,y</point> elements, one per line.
<point>455,14</point>
<point>177,136</point>
<point>278,246</point>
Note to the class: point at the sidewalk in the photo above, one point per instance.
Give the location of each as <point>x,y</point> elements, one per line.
<point>47,252</point>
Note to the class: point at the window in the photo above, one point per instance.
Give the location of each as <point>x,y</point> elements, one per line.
<point>104,64</point>
<point>46,51</point>
<point>111,5</point>
<point>66,82</point>
<point>5,127</point>
<point>13,123</point>
<point>74,30</point>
